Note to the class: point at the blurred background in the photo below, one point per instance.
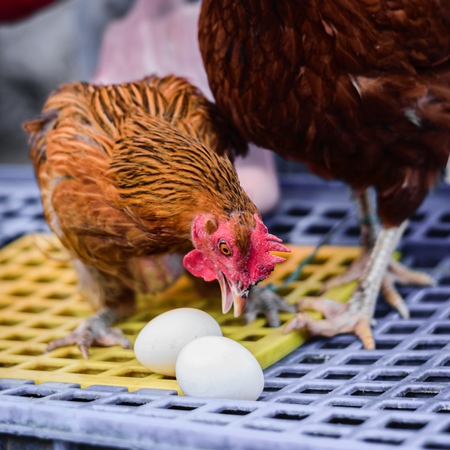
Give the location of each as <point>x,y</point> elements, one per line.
<point>57,43</point>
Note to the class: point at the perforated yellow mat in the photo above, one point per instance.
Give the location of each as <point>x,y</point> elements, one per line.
<point>39,302</point>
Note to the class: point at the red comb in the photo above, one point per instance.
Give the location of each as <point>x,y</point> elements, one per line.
<point>260,261</point>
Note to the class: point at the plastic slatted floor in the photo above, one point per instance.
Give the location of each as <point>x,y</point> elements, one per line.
<point>328,393</point>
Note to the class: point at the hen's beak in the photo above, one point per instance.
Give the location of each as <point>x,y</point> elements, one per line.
<point>231,295</point>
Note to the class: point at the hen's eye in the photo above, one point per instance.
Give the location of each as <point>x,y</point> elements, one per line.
<point>224,249</point>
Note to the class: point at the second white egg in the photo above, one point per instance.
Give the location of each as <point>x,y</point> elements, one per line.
<point>161,340</point>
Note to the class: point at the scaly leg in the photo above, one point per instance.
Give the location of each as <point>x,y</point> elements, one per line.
<point>356,316</point>
<point>112,298</point>
<point>396,272</point>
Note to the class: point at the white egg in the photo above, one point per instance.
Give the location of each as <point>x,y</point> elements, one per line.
<point>161,340</point>
<point>216,366</point>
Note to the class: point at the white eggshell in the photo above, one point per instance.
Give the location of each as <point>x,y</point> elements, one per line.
<point>216,366</point>
<point>161,340</point>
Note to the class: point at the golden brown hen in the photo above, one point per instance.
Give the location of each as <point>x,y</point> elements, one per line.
<point>358,90</point>
<point>134,176</point>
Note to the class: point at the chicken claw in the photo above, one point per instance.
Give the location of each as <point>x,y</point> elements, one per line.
<point>262,300</point>
<point>339,318</point>
<point>93,331</point>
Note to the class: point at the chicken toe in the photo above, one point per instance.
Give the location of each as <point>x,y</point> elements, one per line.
<point>93,331</point>
<point>357,315</point>
<point>339,318</point>
<point>262,300</point>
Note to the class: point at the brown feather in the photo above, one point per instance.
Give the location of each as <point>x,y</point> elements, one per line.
<point>358,90</point>
<point>124,170</point>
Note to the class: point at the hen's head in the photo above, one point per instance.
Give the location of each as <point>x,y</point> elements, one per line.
<point>234,253</point>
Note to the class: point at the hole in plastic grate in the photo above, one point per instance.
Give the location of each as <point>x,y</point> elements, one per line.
<point>443,409</point>
<point>423,393</point>
<point>325,434</point>
<point>347,262</point>
<point>253,337</point>
<point>233,322</point>
<point>386,345</point>
<point>6,364</point>
<point>427,345</point>
<point>405,425</point>
<point>31,394</point>
<point>289,416</point>
<point>401,329</point>
<point>29,351</point>
<point>272,388</point>
<point>43,367</point>
<point>318,261</point>
<point>295,400</point>
<point>81,399</point>
<point>437,379</point>
<point>318,229</point>
<point>353,231</point>
<point>445,218</point>
<point>335,345</point>
<point>314,359</point>
<point>10,276</point>
<point>58,295</point>
<point>435,297</point>
<point>45,278</point>
<point>383,441</point>
<point>340,375</point>
<point>391,376</point>
<point>45,325</point>
<point>280,228</point>
<point>298,211</point>
<point>410,361</point>
<point>182,407</point>
<point>118,359</point>
<point>235,412</point>
<point>437,233</point>
<point>291,374</point>
<point>316,390</point>
<point>34,262</point>
<point>335,213</point>
<point>400,407</point>
<point>9,322</point>
<point>345,404</point>
<point>89,371</point>
<point>345,420</point>
<point>421,313</point>
<point>33,309</point>
<point>418,216</point>
<point>436,446</point>
<point>362,361</point>
<point>20,337</point>
<point>441,329</point>
<point>22,292</point>
<point>129,403</point>
<point>369,392</point>
<point>135,374</point>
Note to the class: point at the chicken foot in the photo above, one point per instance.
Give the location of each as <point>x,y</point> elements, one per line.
<point>94,330</point>
<point>357,315</point>
<point>263,300</point>
<point>396,272</point>
<point>375,271</point>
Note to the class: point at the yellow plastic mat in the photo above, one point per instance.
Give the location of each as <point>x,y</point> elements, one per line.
<point>39,302</point>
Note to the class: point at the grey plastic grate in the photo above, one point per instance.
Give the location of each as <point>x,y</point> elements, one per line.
<point>329,393</point>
